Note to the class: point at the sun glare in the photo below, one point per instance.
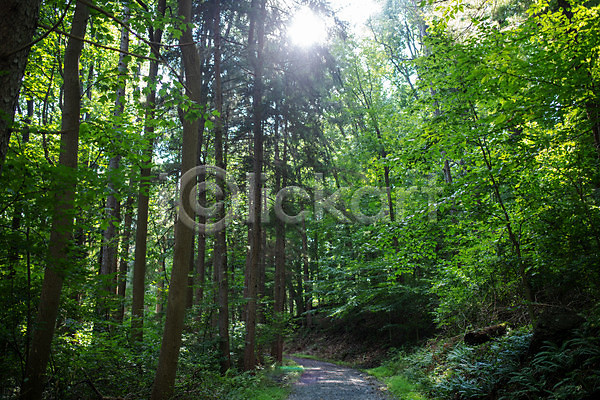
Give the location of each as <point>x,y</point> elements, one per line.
<point>307,28</point>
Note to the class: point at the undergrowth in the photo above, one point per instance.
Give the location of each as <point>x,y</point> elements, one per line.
<point>88,364</point>
<point>498,370</point>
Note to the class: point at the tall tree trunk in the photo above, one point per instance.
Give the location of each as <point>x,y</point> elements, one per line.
<point>220,252</point>
<point>256,49</point>
<point>261,281</point>
<point>200,273</point>
<point>316,273</point>
<point>199,276</point>
<point>279,284</point>
<point>123,263</point>
<point>141,233</point>
<point>447,172</point>
<point>19,19</point>
<point>169,351</point>
<point>366,99</point>
<point>306,277</point>
<point>262,264</point>
<point>160,287</point>
<point>386,174</point>
<point>299,293</point>
<point>189,297</point>
<point>110,242</point>
<point>290,286</point>
<point>386,180</point>
<point>62,221</point>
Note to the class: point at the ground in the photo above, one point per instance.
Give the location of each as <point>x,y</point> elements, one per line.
<point>327,381</point>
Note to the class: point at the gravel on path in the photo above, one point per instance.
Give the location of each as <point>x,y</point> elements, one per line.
<point>326,381</point>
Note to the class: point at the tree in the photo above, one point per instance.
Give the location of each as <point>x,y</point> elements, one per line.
<point>220,252</point>
<point>62,221</point>
<point>256,39</point>
<point>124,256</point>
<point>108,268</point>
<point>176,305</point>
<point>199,276</point>
<point>280,236</point>
<point>141,233</point>
<point>16,34</point>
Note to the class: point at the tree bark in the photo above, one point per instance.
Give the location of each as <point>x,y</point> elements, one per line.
<point>189,297</point>
<point>220,252</point>
<point>200,273</point>
<point>123,263</point>
<point>62,221</point>
<point>110,242</point>
<point>19,19</point>
<point>256,58</point>
<point>160,288</point>
<point>307,295</point>
<point>141,233</point>
<point>199,277</point>
<point>176,304</point>
<point>279,284</point>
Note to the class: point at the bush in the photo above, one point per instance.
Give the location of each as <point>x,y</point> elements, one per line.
<point>501,369</point>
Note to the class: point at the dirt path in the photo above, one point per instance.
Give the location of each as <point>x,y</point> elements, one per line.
<point>326,381</point>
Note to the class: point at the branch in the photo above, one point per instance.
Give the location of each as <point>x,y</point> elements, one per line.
<point>114,18</point>
<point>33,130</point>
<point>149,43</point>
<point>99,45</point>
<point>55,26</point>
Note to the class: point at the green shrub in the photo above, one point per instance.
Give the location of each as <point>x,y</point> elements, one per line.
<point>501,369</point>
<point>477,372</point>
<point>569,371</point>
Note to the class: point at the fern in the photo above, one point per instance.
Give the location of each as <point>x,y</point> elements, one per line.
<point>568,371</point>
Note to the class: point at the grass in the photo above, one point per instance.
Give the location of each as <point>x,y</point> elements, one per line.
<point>269,393</point>
<point>278,384</point>
<point>399,385</point>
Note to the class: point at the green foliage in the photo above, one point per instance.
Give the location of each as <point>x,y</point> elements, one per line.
<point>398,385</point>
<point>478,372</point>
<point>479,118</point>
<point>502,368</point>
<point>198,380</point>
<point>568,371</point>
<point>88,359</point>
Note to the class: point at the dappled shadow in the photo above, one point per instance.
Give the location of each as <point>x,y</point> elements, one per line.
<point>326,381</point>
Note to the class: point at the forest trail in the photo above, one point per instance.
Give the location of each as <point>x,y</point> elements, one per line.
<point>326,381</point>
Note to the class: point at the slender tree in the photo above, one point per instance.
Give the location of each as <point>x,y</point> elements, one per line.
<point>141,233</point>
<point>108,268</point>
<point>220,251</point>
<point>200,270</point>
<point>255,44</point>
<point>124,256</point>
<point>62,221</point>
<point>184,235</point>
<point>306,276</point>
<point>279,284</point>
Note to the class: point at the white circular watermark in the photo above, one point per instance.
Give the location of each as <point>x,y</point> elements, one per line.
<point>376,200</point>
<point>191,178</point>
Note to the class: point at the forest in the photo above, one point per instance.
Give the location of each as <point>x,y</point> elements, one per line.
<point>193,190</point>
